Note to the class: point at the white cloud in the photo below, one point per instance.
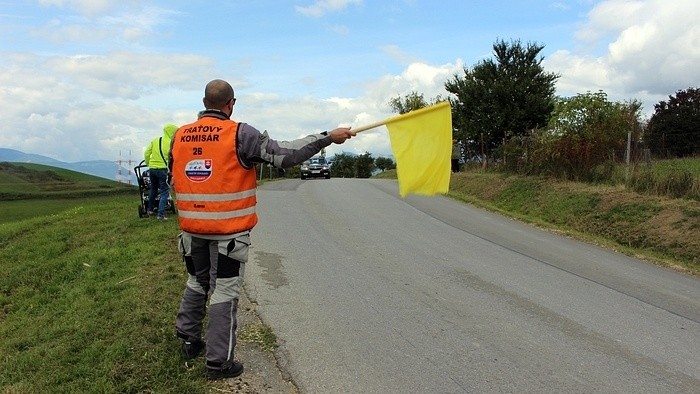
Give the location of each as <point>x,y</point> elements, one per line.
<point>90,8</point>
<point>399,55</point>
<point>579,74</point>
<point>128,24</point>
<point>653,51</point>
<point>340,30</point>
<point>609,17</point>
<point>57,33</point>
<point>127,75</point>
<point>322,7</point>
<point>417,77</point>
<point>561,6</point>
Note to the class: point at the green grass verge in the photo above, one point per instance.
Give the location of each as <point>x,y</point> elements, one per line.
<point>88,298</point>
<point>15,210</point>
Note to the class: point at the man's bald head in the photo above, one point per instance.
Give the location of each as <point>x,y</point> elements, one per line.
<point>217,94</point>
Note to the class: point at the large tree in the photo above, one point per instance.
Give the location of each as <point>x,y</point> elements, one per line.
<point>343,166</point>
<point>502,97</point>
<point>412,102</point>
<point>408,103</point>
<point>364,165</point>
<point>384,163</point>
<point>674,128</point>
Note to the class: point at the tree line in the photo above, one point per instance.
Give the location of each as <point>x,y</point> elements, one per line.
<point>360,166</point>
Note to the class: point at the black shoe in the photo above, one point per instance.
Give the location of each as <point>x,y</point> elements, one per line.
<point>191,349</point>
<point>228,370</point>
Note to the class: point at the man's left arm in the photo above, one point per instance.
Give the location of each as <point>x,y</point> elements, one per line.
<point>256,147</point>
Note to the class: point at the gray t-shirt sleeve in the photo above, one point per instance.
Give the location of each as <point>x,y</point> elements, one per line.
<point>256,147</point>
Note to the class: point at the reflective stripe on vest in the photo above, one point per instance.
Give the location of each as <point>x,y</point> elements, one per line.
<point>216,215</point>
<point>225,197</point>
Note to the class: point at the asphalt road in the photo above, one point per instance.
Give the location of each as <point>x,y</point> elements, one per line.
<point>371,293</point>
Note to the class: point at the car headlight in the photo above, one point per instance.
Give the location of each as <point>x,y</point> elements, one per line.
<point>304,168</point>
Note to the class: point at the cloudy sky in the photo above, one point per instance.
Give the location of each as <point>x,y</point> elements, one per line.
<point>97,79</point>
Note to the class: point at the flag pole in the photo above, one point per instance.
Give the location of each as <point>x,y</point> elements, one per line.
<point>369,126</point>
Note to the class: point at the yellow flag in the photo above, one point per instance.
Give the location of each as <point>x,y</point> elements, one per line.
<point>422,144</point>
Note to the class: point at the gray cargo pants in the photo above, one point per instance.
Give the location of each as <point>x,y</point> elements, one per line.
<point>214,266</point>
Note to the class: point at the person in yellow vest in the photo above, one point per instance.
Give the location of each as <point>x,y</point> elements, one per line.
<point>212,163</point>
<point>156,158</point>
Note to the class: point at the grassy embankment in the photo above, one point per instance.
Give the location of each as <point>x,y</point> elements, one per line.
<point>88,291</point>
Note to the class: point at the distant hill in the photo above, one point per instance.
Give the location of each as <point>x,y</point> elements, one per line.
<point>100,168</point>
<point>21,181</point>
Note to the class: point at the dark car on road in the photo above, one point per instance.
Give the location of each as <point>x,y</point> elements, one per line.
<point>315,167</point>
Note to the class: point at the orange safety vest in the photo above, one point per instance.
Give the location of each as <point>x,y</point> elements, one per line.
<point>214,193</point>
